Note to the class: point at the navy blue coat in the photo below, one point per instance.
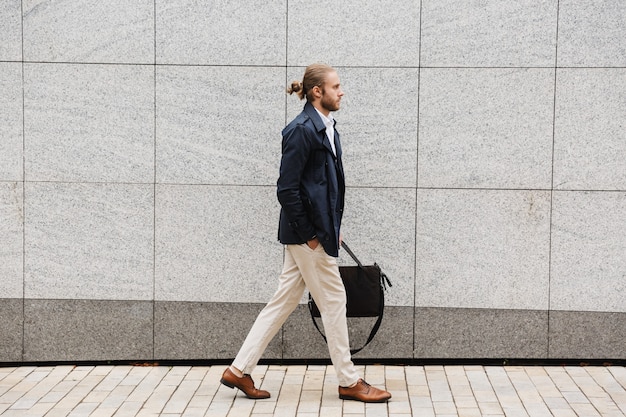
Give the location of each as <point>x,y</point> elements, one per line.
<point>311,185</point>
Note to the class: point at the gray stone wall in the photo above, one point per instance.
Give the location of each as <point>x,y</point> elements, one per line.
<point>485,152</point>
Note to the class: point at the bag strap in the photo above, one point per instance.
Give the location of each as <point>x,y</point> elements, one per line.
<point>369,338</point>
<point>384,281</point>
<point>347,248</point>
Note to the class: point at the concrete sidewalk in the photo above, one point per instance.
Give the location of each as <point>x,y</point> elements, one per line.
<point>307,391</point>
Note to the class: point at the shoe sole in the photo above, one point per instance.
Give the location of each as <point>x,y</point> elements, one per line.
<point>347,397</point>
<point>228,384</point>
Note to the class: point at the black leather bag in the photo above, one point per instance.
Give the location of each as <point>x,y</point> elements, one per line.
<point>365,293</point>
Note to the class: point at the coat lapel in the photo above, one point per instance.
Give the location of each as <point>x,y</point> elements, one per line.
<point>320,127</point>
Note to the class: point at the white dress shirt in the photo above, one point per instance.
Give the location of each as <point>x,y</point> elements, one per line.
<point>329,122</point>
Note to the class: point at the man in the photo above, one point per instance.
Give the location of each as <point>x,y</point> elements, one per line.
<point>311,194</point>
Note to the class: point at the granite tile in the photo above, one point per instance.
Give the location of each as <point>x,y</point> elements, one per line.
<point>480,333</point>
<point>11,30</point>
<point>354,33</point>
<point>89,123</point>
<point>118,31</point>
<point>587,335</point>
<point>486,128</point>
<point>588,251</point>
<point>394,338</point>
<point>592,34</point>
<point>11,329</point>
<point>489,33</point>
<point>378,131</point>
<point>221,33</point>
<point>300,339</point>
<point>483,249</point>
<point>11,240</point>
<point>219,125</point>
<point>87,330</point>
<point>216,243</point>
<point>11,115</point>
<point>191,330</point>
<point>89,241</point>
<point>379,227</point>
<point>589,134</point>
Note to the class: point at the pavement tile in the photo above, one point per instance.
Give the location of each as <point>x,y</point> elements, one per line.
<point>585,409</point>
<point>469,412</point>
<point>353,407</point>
<point>194,412</point>
<point>181,397</point>
<point>490,408</point>
<point>444,407</point>
<point>303,391</point>
<point>563,413</point>
<point>467,401</point>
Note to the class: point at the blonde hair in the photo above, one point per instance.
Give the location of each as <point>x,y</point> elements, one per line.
<point>314,76</point>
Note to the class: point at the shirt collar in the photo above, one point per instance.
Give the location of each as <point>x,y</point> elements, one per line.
<point>328,120</point>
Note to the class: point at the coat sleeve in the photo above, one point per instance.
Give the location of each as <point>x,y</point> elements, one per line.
<point>296,149</point>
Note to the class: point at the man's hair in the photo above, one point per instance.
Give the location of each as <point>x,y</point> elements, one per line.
<point>314,76</point>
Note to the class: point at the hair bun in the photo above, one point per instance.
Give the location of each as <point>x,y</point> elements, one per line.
<point>296,86</point>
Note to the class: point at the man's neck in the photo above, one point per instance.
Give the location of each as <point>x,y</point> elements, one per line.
<point>321,109</point>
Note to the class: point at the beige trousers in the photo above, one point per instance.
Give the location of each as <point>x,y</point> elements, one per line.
<point>313,269</point>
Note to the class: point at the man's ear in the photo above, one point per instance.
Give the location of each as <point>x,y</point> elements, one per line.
<point>317,92</point>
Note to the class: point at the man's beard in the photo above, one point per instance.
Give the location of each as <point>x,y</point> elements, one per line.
<point>329,104</point>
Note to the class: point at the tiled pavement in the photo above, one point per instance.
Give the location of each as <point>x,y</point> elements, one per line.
<point>307,391</point>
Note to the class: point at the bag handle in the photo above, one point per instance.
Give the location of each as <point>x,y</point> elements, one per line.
<point>384,281</point>
<point>347,248</point>
<point>383,278</point>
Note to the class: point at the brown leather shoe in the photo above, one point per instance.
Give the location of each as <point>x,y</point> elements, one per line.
<point>363,391</point>
<point>245,384</point>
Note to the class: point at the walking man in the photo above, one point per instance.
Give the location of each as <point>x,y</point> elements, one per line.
<point>311,194</point>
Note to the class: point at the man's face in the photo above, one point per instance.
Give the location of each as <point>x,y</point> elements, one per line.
<point>331,92</point>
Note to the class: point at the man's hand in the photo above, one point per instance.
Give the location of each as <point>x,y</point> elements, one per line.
<point>313,243</point>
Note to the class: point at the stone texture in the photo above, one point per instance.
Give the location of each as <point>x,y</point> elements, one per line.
<point>590,138</point>
<point>354,33</point>
<point>587,335</point>
<point>486,128</point>
<point>488,33</point>
<point>140,145</point>
<point>588,251</point>
<point>480,333</point>
<point>10,31</point>
<point>219,125</point>
<point>379,227</point>
<point>89,123</point>
<point>118,31</point>
<point>216,243</point>
<point>393,340</point>
<point>185,330</point>
<point>11,329</point>
<point>11,117</point>
<point>11,240</point>
<point>89,241</point>
<point>221,33</point>
<point>483,249</point>
<point>87,330</point>
<point>592,36</point>
<point>378,131</point>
